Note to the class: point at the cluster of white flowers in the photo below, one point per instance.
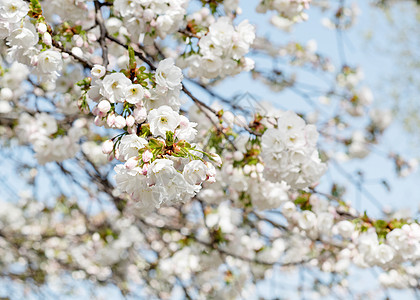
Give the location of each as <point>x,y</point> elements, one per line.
<point>400,245</point>
<point>153,182</point>
<point>23,37</point>
<point>345,17</point>
<point>203,17</point>
<point>150,175</point>
<point>151,18</point>
<point>381,118</point>
<point>41,131</point>
<point>365,249</point>
<point>222,50</point>
<point>359,145</point>
<point>111,89</point>
<point>11,85</point>
<point>245,186</point>
<point>11,14</point>
<point>67,10</point>
<point>289,11</point>
<point>289,152</point>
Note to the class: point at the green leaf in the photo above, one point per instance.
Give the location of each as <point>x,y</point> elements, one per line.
<point>380,224</point>
<point>169,138</point>
<point>132,58</point>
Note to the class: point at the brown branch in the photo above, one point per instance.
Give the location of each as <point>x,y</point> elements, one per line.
<point>137,53</point>
<point>84,62</point>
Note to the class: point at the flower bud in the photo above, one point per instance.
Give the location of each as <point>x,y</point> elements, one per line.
<point>107,147</point>
<point>77,51</point>
<point>98,121</point>
<point>41,27</point>
<point>147,156</point>
<point>238,156</point>
<point>132,162</point>
<point>216,158</point>
<point>247,169</point>
<point>46,38</point>
<point>130,120</point>
<point>6,94</point>
<point>140,114</point>
<point>145,169</point>
<point>120,122</point>
<point>110,120</point>
<point>78,40</point>
<point>104,106</point>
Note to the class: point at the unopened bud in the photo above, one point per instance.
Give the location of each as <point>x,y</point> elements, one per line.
<point>46,38</point>
<point>147,156</point>
<point>130,120</point>
<point>107,147</point>
<point>120,122</point>
<point>41,27</point>
<point>104,106</point>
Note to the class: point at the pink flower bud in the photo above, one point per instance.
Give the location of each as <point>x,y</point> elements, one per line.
<point>107,147</point>
<point>147,156</point>
<point>216,158</point>
<point>46,38</point>
<point>120,122</point>
<point>117,153</point>
<point>132,129</point>
<point>78,40</point>
<point>145,169</point>
<point>140,114</point>
<point>98,121</point>
<point>95,111</point>
<point>104,106</point>
<point>130,120</point>
<point>110,120</point>
<point>41,27</point>
<point>131,163</point>
<point>91,37</point>
<point>77,51</point>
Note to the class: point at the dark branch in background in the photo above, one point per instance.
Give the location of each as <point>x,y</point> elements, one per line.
<point>137,53</point>
<point>102,39</point>
<point>84,62</point>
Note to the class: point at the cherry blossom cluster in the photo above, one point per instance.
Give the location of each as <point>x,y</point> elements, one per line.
<point>154,180</point>
<point>289,152</point>
<point>221,51</point>
<point>160,163</point>
<point>116,91</point>
<point>50,142</point>
<point>148,19</point>
<point>400,244</point>
<point>244,185</point>
<point>289,11</point>
<point>361,241</point>
<point>26,47</point>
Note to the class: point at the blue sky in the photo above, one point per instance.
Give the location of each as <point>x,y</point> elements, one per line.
<point>378,66</point>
